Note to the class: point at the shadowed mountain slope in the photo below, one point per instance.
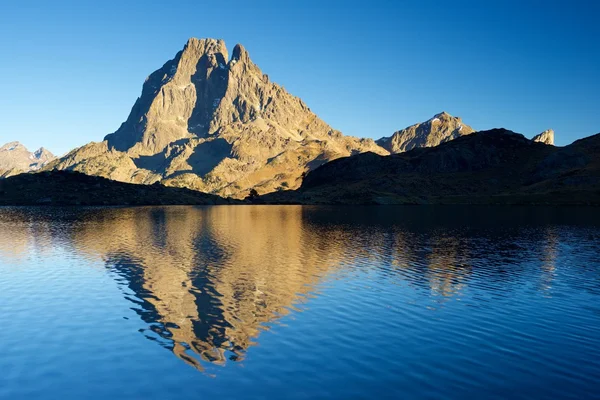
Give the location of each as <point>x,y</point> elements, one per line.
<point>73,188</point>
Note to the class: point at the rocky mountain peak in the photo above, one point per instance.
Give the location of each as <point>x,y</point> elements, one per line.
<point>546,137</point>
<point>15,159</point>
<point>199,54</point>
<point>240,54</point>
<point>215,124</point>
<point>43,154</point>
<point>11,146</point>
<point>200,93</point>
<point>441,128</point>
<point>443,115</point>
<point>177,101</point>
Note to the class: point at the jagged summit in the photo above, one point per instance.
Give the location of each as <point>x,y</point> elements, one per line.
<point>240,54</point>
<point>176,99</point>
<point>10,146</point>
<point>443,114</point>
<point>216,124</point>
<point>197,93</point>
<point>440,128</point>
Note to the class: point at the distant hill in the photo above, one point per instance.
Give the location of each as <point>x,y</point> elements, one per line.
<point>16,159</point>
<point>488,167</point>
<point>441,128</point>
<point>74,188</point>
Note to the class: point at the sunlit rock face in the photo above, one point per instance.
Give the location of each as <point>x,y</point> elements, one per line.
<point>441,128</point>
<point>546,137</point>
<point>215,123</point>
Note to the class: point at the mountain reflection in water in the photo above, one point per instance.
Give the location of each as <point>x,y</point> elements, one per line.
<point>206,281</point>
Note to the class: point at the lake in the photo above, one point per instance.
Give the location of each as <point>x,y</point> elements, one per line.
<point>250,302</point>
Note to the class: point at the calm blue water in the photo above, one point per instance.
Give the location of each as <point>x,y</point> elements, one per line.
<point>249,302</point>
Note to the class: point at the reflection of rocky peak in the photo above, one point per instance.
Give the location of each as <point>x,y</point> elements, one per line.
<point>203,283</point>
<point>205,289</point>
<point>440,128</point>
<point>15,158</point>
<point>546,137</point>
<point>216,124</point>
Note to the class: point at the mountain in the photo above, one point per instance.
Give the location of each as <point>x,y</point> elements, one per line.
<point>546,137</point>
<point>488,167</point>
<point>217,124</point>
<point>74,188</point>
<point>440,128</point>
<point>15,159</point>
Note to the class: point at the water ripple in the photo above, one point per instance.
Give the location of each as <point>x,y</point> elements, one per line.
<point>350,302</point>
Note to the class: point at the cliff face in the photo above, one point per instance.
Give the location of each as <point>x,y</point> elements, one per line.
<point>15,159</point>
<point>216,124</point>
<point>441,128</point>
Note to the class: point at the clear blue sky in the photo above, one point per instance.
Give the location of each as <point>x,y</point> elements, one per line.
<point>71,70</point>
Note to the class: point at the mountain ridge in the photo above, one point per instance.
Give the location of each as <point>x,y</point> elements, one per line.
<point>497,166</point>
<point>217,124</point>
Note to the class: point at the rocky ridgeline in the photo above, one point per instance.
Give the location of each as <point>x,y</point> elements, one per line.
<point>215,123</point>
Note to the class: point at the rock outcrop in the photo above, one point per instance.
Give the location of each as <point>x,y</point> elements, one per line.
<point>546,137</point>
<point>215,124</point>
<point>16,159</point>
<point>441,128</point>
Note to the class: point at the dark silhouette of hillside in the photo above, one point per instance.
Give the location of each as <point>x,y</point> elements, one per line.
<point>74,188</point>
<point>488,167</point>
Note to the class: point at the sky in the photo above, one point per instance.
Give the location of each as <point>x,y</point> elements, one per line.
<point>71,70</point>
